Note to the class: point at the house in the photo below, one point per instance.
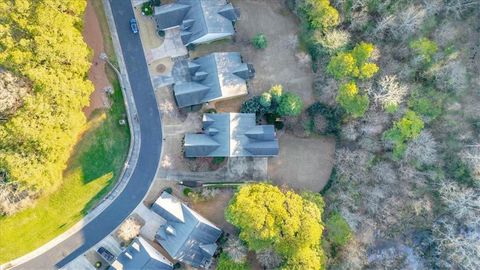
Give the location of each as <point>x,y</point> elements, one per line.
<point>186,236</point>
<point>142,256</point>
<point>213,77</point>
<point>232,135</point>
<point>200,21</point>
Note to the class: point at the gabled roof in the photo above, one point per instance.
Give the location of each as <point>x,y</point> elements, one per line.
<point>142,256</point>
<point>190,239</point>
<point>211,77</point>
<point>232,135</point>
<point>198,18</point>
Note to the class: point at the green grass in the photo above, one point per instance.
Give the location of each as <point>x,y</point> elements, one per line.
<point>96,163</point>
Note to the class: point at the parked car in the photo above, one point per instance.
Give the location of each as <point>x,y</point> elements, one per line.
<point>106,255</point>
<point>133,26</point>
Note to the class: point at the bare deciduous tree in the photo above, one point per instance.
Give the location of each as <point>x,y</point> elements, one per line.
<point>269,259</point>
<point>389,92</point>
<point>236,250</point>
<point>471,156</point>
<point>422,149</point>
<point>12,92</point>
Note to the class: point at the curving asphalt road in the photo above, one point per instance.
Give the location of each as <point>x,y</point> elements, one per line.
<point>149,156</point>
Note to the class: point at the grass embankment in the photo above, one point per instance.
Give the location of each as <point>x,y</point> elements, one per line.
<point>95,165</point>
<point>93,169</point>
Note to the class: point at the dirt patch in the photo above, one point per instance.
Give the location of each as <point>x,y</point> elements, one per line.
<point>303,163</point>
<point>92,35</point>
<point>280,63</point>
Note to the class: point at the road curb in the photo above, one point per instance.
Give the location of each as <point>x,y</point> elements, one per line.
<point>131,159</point>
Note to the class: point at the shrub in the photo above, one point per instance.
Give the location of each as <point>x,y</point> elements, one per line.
<point>226,263</point>
<point>161,33</point>
<point>276,92</point>
<point>98,264</point>
<point>168,190</point>
<point>290,105</point>
<point>147,9</point>
<point>218,160</point>
<point>271,117</point>
<point>252,105</point>
<point>350,100</point>
<point>211,110</point>
<point>187,191</point>
<point>259,41</point>
<point>279,125</point>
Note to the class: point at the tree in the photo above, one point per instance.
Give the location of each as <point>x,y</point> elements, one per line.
<point>332,41</point>
<point>320,14</point>
<point>362,52</point>
<point>338,230</point>
<point>342,65</point>
<point>276,92</point>
<point>235,249</point>
<point>424,48</point>
<point>259,41</point>
<point>407,128</point>
<point>389,92</point>
<point>350,100</point>
<point>252,105</point>
<point>269,217</point>
<point>290,105</point>
<point>269,259</point>
<point>129,229</point>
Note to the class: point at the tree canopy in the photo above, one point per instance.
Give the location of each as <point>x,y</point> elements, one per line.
<point>350,100</point>
<point>41,40</point>
<point>269,217</point>
<point>354,63</point>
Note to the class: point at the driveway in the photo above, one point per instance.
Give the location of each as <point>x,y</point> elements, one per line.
<point>172,47</point>
<point>149,156</point>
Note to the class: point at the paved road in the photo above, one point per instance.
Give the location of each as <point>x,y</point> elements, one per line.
<point>148,160</point>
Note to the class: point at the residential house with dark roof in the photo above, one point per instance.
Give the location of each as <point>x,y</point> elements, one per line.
<point>213,77</point>
<point>200,21</point>
<point>186,236</point>
<point>140,255</point>
<point>232,135</point>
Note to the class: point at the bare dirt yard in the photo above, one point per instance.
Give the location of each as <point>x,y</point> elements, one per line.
<point>280,63</point>
<point>92,35</point>
<point>303,163</point>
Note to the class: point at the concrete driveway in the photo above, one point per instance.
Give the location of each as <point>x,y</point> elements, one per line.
<point>172,47</point>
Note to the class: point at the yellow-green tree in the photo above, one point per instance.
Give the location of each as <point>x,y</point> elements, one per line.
<point>269,217</point>
<point>41,40</point>
<point>354,63</point>
<point>320,14</point>
<point>349,98</point>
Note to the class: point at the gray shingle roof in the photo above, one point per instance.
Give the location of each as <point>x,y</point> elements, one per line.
<point>211,77</point>
<point>141,255</point>
<point>200,20</point>
<point>232,135</point>
<point>186,236</point>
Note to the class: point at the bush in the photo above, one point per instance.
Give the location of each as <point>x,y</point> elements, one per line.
<point>265,100</point>
<point>225,263</point>
<point>211,110</point>
<point>279,125</point>
<point>168,190</point>
<point>161,33</point>
<point>187,191</point>
<point>290,105</point>
<point>252,106</point>
<point>271,118</point>
<point>147,9</point>
<point>98,264</point>
<point>259,41</point>
<point>218,160</point>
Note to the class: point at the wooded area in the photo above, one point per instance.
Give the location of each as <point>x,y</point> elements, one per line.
<point>40,45</point>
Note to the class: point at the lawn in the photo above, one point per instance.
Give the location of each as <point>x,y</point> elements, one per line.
<point>95,165</point>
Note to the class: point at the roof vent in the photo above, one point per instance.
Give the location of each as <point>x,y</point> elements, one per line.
<point>170,230</point>
<point>199,76</point>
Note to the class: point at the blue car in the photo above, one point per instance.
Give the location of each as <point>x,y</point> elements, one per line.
<point>133,26</point>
